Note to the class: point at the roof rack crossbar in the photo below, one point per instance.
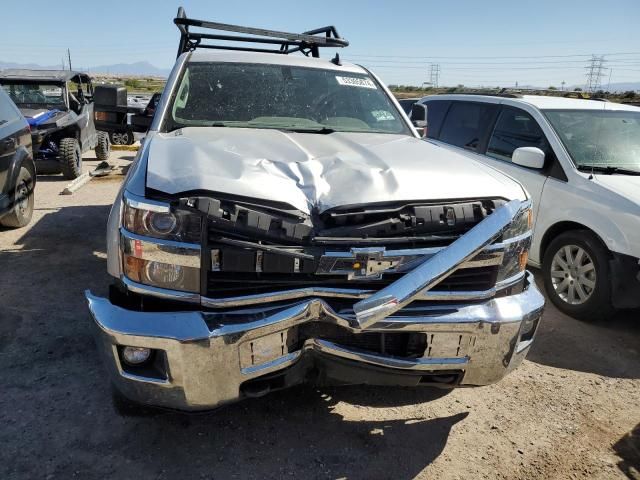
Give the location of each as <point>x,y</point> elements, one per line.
<point>307,42</point>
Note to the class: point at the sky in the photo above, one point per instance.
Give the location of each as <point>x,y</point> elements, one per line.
<point>541,43</point>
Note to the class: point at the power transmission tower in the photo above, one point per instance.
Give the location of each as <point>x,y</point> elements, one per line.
<point>434,74</point>
<point>595,72</point>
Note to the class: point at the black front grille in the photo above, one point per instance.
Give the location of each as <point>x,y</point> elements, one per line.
<point>223,284</point>
<point>397,344</point>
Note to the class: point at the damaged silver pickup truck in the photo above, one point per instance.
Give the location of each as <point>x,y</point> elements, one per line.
<point>284,223</point>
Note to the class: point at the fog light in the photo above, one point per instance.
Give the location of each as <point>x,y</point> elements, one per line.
<point>135,355</point>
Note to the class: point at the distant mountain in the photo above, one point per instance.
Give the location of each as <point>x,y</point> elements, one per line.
<point>137,68</point>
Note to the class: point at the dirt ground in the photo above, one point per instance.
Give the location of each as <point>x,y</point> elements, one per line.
<point>568,412</point>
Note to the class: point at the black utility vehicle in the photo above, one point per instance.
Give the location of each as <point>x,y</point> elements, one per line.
<point>58,105</point>
<point>17,171</point>
<point>115,115</point>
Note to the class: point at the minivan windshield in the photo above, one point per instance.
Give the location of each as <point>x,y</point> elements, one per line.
<point>600,139</point>
<point>281,97</point>
<point>32,94</point>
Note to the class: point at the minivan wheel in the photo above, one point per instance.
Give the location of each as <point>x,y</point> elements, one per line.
<point>576,275</point>
<point>70,158</point>
<point>23,199</point>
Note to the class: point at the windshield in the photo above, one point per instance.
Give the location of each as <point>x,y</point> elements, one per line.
<point>282,97</point>
<point>49,95</point>
<point>599,138</point>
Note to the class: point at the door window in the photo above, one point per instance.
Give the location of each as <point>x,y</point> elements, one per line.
<point>515,128</point>
<point>465,124</point>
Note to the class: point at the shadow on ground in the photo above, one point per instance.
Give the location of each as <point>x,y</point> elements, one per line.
<point>56,413</point>
<point>296,433</point>
<point>610,348</point>
<point>628,449</point>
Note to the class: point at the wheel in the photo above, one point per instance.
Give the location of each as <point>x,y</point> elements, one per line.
<point>24,199</point>
<point>122,138</point>
<point>103,147</point>
<point>576,276</point>
<point>71,158</point>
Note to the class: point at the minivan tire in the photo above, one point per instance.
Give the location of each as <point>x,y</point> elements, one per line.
<point>591,268</point>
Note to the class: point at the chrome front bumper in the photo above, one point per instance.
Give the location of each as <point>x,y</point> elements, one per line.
<point>208,359</point>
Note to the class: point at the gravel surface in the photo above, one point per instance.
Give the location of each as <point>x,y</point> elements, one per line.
<point>568,412</point>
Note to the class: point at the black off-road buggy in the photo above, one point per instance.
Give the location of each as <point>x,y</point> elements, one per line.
<point>58,104</point>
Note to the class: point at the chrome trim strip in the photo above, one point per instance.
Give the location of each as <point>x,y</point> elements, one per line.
<point>157,250</point>
<point>245,300</point>
<point>386,361</point>
<point>142,203</point>
<point>427,275</point>
<point>160,292</point>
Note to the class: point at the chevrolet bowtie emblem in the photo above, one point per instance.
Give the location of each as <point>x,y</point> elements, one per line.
<point>359,263</point>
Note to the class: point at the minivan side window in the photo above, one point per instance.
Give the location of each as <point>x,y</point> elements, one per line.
<point>436,110</point>
<point>465,124</point>
<point>515,128</point>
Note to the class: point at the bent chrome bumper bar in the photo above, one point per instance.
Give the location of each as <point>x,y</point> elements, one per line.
<point>206,359</point>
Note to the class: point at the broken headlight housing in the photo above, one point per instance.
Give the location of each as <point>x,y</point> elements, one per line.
<point>516,241</point>
<point>159,245</point>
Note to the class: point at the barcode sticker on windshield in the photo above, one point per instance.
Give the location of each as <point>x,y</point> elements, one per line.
<point>356,82</point>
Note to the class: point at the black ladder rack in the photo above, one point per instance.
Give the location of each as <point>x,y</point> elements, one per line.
<point>308,43</point>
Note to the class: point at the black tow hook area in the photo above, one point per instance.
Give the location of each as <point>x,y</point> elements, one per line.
<point>320,369</point>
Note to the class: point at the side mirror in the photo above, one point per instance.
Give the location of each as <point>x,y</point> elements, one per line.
<point>418,114</point>
<point>530,157</point>
<point>419,118</point>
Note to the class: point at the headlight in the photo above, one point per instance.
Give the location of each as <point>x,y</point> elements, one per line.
<point>520,225</point>
<point>516,245</point>
<point>162,275</point>
<point>158,221</point>
<point>160,247</point>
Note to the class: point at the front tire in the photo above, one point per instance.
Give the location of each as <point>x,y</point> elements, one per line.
<point>103,147</point>
<point>70,158</point>
<point>23,199</point>
<point>576,275</point>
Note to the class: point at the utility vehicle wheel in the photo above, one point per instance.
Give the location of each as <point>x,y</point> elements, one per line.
<point>122,138</point>
<point>576,276</point>
<point>103,147</point>
<point>23,201</point>
<point>70,158</point>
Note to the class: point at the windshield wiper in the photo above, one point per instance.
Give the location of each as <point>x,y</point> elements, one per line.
<point>608,170</point>
<point>321,131</point>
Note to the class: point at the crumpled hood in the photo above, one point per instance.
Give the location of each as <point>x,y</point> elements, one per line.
<point>319,171</point>
<point>627,186</point>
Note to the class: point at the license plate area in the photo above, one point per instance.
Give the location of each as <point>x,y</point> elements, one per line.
<point>267,348</point>
<point>449,345</point>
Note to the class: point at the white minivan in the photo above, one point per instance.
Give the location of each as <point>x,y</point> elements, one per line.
<point>580,162</point>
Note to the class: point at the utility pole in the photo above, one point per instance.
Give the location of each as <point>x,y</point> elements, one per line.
<point>595,72</point>
<point>69,55</point>
<point>562,83</point>
<point>434,74</point>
